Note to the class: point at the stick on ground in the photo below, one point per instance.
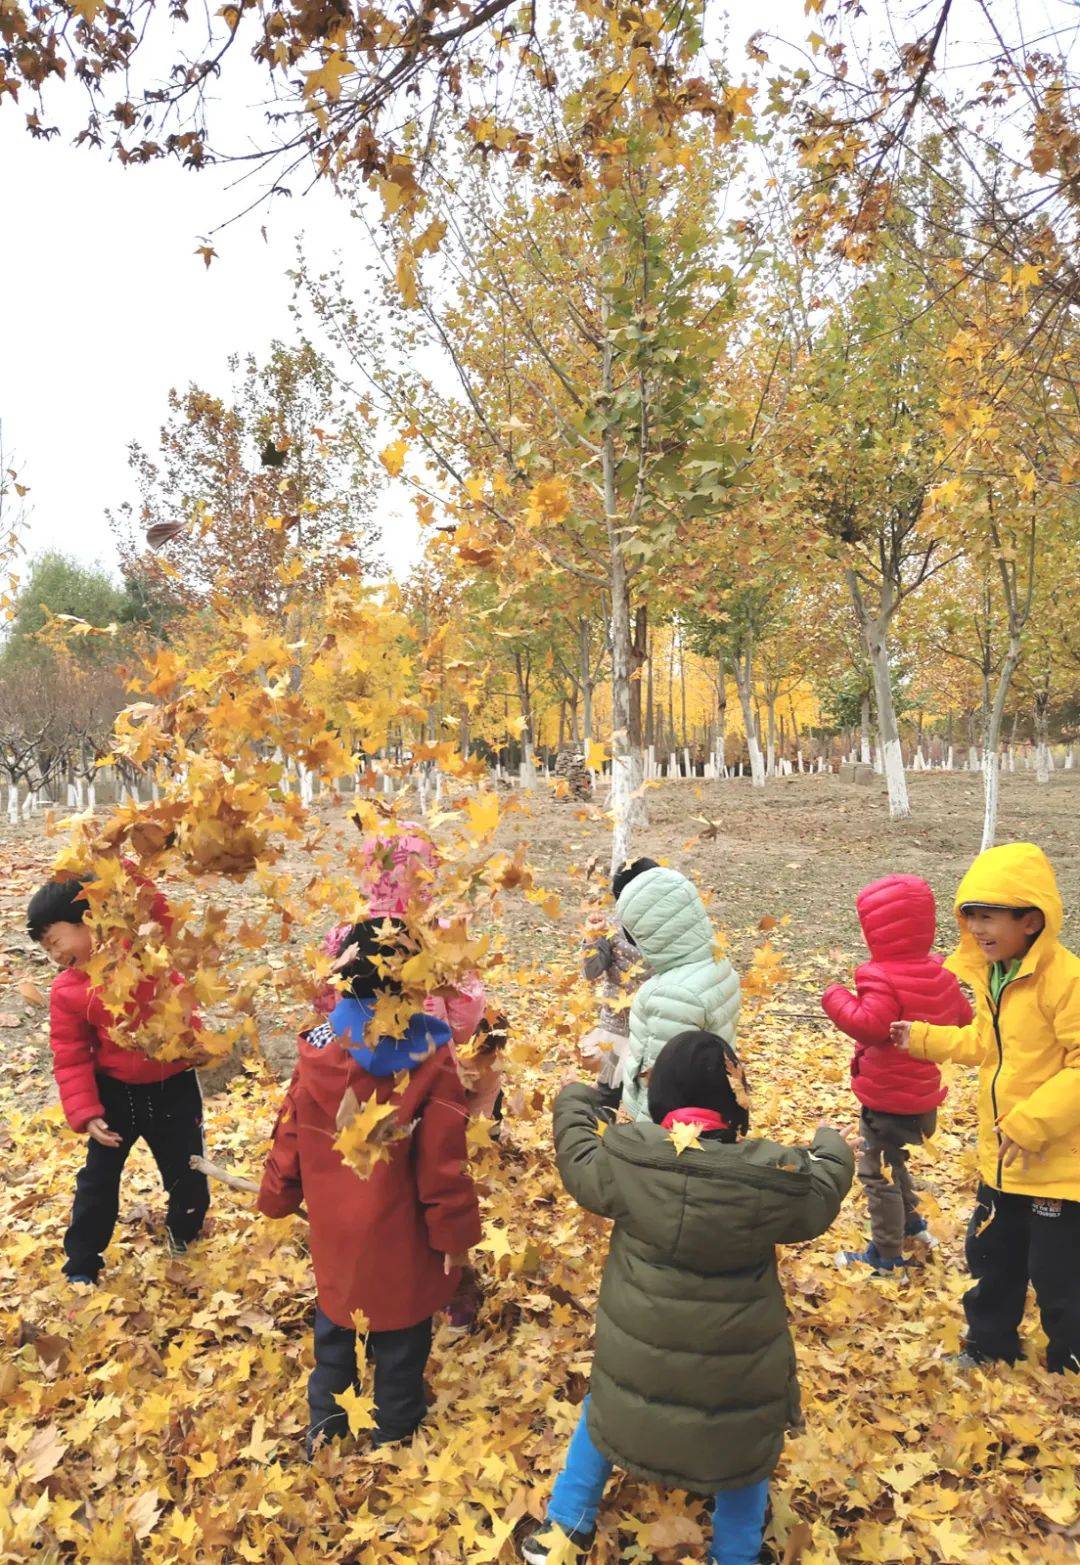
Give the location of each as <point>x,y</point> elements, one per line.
<point>203,1165</point>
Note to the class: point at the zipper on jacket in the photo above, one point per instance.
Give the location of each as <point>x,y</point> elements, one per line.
<point>995,1010</point>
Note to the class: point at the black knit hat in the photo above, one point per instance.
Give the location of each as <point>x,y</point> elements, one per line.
<point>698,1070</point>
<point>372,938</point>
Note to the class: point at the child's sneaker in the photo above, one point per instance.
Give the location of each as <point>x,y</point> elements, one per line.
<point>89,1282</point>
<point>549,1542</point>
<point>880,1265</point>
<point>174,1245</point>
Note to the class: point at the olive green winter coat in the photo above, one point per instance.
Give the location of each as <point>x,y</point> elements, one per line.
<point>691,988</point>
<point>693,1380</point>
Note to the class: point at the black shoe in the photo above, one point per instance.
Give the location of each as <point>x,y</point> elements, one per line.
<point>174,1245</point>
<point>539,1545</point>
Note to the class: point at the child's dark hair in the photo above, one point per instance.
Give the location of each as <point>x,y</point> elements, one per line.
<point>374,938</point>
<point>700,1070</point>
<point>56,902</point>
<point>622,877</point>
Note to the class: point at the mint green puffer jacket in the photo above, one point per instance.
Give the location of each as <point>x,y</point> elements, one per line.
<point>663,913</point>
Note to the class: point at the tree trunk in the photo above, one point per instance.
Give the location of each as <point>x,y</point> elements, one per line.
<point>864,729</point>
<point>744,683</point>
<point>1042,725</point>
<point>721,707</point>
<point>682,684</point>
<point>991,769</point>
<point>770,756</point>
<point>528,768</point>
<point>650,711</point>
<point>875,631</point>
<point>587,682</point>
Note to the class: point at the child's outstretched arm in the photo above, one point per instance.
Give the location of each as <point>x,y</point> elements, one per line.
<point>866,1015</point>
<point>282,1192</point>
<point>832,1168</point>
<point>923,1041</point>
<point>579,1150</point>
<point>597,958</point>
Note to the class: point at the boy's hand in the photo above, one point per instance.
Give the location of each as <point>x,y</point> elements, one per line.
<point>99,1131</point>
<point>451,1262</point>
<point>900,1035</point>
<point>1012,1151</point>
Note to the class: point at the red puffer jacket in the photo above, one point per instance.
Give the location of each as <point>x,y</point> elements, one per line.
<point>903,981</point>
<point>377,1244</point>
<point>81,1033</point>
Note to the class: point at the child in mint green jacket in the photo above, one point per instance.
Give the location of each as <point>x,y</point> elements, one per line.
<point>691,988</point>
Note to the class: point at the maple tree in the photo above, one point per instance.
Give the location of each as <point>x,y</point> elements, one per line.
<point>238,484</point>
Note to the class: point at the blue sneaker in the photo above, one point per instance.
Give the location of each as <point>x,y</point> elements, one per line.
<point>880,1265</point>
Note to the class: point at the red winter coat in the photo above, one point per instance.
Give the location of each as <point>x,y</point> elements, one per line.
<point>377,1244</point>
<point>81,1032</point>
<point>903,982</point>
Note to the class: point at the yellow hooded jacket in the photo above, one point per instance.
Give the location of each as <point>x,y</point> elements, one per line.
<point>1027,1047</point>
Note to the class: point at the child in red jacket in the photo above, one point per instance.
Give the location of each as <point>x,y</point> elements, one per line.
<point>900,1096</point>
<point>390,1246</point>
<point>111,1093</point>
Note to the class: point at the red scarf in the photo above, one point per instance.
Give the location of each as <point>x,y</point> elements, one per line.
<point>708,1119</point>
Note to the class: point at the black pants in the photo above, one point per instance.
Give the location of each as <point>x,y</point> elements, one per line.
<point>167,1115</point>
<point>399,1357</point>
<point>1014,1239</point>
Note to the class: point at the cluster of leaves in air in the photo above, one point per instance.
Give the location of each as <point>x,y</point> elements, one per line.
<point>224,721</point>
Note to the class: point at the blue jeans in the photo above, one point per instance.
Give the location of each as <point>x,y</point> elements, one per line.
<point>738,1516</point>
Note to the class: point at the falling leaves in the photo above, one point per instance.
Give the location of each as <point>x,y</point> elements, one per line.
<point>368,1136</point>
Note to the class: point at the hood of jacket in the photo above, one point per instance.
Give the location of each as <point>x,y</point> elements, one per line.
<point>397,871</point>
<point>1016,874</point>
<point>898,917</point>
<point>664,915</point>
<point>329,1060</point>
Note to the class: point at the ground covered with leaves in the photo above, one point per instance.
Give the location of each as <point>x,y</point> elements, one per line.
<point>161,1415</point>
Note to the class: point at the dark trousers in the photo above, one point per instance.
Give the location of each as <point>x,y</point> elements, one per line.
<point>892,1201</point>
<point>167,1115</point>
<point>400,1358</point>
<point>1011,1240</point>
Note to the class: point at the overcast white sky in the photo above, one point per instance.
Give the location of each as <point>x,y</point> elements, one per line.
<point>105,306</point>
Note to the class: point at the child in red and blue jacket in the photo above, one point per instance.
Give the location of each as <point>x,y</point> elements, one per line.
<point>112,1092</point>
<point>390,1247</point>
<point>900,1096</point>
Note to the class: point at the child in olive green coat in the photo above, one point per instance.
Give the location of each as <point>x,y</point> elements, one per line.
<point>693,1379</point>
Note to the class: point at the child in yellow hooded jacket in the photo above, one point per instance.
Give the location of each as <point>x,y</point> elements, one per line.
<point>1025,1039</point>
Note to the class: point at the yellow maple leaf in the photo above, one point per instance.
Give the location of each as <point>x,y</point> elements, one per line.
<point>360,1408</point>
<point>393,458</point>
<point>366,1140</point>
<point>483,811</point>
<point>682,1136</point>
<point>328,77</point>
